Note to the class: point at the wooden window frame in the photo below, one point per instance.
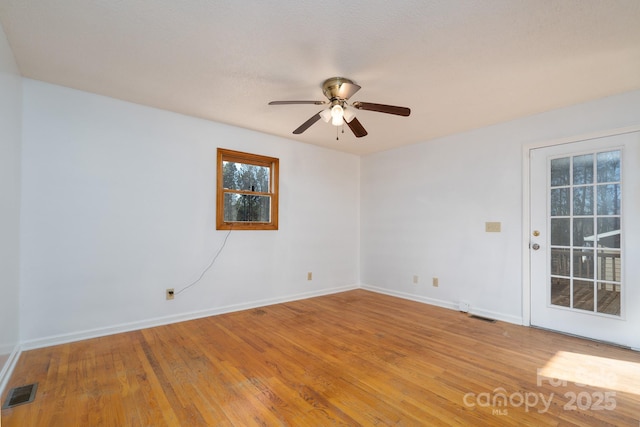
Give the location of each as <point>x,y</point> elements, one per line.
<point>225,155</point>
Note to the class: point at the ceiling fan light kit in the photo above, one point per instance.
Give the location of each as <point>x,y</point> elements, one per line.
<point>337,113</point>
<point>325,115</point>
<point>338,90</point>
<point>349,114</point>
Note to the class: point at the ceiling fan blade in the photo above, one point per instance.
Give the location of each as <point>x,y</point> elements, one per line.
<point>356,127</point>
<point>347,90</point>
<point>296,102</point>
<point>382,108</point>
<point>306,125</point>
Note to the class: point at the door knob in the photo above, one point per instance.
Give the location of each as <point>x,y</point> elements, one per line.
<point>535,246</point>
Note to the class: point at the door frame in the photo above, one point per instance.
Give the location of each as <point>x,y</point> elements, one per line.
<point>526,202</point>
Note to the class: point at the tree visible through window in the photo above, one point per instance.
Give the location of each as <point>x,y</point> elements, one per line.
<point>247,196</point>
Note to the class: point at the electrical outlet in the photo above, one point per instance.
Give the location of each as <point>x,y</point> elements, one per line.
<point>310,276</point>
<point>416,279</point>
<point>170,293</point>
<point>435,282</point>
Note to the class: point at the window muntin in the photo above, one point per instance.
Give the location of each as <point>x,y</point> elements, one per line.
<point>247,191</point>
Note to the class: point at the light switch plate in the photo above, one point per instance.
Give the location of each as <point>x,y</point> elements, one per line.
<point>492,227</point>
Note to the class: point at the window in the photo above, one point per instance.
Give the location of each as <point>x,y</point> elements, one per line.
<point>247,196</point>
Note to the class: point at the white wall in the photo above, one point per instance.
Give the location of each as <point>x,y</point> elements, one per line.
<point>424,208</point>
<point>118,203</point>
<point>10,116</point>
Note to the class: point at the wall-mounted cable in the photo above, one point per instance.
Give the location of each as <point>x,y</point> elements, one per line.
<point>213,260</point>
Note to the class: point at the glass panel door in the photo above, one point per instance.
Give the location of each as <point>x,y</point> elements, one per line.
<point>584,202</point>
<point>584,260</point>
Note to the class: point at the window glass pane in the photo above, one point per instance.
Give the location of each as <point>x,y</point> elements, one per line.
<point>560,172</point>
<point>609,298</point>
<point>583,295</point>
<point>560,292</point>
<point>560,202</point>
<point>609,232</point>
<point>583,169</point>
<point>583,200</point>
<point>560,262</point>
<point>243,207</point>
<point>609,265</point>
<point>246,177</point>
<point>560,231</point>
<point>608,199</point>
<point>583,263</point>
<point>609,166</point>
<point>583,232</point>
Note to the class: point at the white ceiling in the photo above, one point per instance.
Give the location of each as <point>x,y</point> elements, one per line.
<point>457,64</point>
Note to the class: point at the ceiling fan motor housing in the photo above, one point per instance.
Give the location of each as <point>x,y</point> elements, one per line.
<point>331,88</point>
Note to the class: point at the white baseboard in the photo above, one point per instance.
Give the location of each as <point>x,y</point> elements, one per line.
<point>497,316</point>
<point>159,321</point>
<point>8,367</point>
<point>412,297</point>
<point>445,304</point>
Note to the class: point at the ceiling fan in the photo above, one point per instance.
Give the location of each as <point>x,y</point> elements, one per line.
<point>338,90</point>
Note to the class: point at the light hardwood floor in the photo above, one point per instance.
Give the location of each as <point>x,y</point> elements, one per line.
<point>354,358</point>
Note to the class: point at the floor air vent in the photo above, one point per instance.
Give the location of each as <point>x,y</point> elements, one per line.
<point>486,319</point>
<point>20,395</point>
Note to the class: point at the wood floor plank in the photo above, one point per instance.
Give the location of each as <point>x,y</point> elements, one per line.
<point>353,358</point>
